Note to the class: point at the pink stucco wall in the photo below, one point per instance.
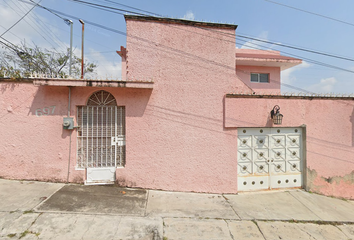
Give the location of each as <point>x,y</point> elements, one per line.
<point>179,142</point>
<point>329,136</point>
<point>34,147</point>
<point>181,135</point>
<point>273,86</point>
<point>175,136</point>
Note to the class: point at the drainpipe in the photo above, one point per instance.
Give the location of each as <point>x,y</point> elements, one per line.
<point>67,179</point>
<point>82,49</point>
<point>69,22</point>
<point>69,101</point>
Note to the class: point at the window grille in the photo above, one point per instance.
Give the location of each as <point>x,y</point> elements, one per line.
<point>101,133</point>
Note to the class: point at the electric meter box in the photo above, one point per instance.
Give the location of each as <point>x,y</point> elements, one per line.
<point>68,123</point>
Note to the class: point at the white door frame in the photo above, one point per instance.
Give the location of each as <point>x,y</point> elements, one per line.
<point>100,138</point>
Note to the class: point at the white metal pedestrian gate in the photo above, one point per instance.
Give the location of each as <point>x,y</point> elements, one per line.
<point>101,138</point>
<point>269,158</point>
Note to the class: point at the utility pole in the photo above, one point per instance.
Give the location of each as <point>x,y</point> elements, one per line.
<point>69,22</point>
<point>82,49</point>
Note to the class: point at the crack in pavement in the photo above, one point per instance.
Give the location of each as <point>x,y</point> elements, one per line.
<point>349,237</point>
<point>88,228</point>
<point>228,227</point>
<point>227,200</point>
<point>259,229</point>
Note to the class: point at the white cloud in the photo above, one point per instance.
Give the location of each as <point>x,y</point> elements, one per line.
<point>288,77</point>
<point>254,44</point>
<point>31,29</point>
<point>189,15</point>
<point>106,69</point>
<point>34,28</point>
<point>325,85</point>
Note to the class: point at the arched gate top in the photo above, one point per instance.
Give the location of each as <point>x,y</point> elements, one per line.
<point>101,98</point>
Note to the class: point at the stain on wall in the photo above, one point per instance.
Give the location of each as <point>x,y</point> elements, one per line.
<point>336,186</point>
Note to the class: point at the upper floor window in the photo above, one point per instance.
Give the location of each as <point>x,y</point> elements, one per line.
<point>260,77</point>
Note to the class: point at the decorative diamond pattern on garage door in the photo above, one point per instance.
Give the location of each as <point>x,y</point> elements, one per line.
<point>269,158</point>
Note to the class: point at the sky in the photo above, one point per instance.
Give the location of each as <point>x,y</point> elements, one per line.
<point>325,26</point>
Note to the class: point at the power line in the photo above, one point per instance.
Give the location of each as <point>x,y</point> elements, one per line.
<point>39,33</point>
<point>105,52</point>
<point>58,13</point>
<point>320,15</point>
<point>256,39</point>
<point>43,28</point>
<point>9,42</point>
<point>38,5</point>
<point>89,22</point>
<point>307,59</point>
<point>103,9</point>
<point>19,20</point>
<point>61,29</point>
<point>191,55</point>
<point>138,9</point>
<point>278,82</point>
<point>269,42</point>
<point>296,48</point>
<point>11,33</point>
<point>125,34</point>
<point>283,45</point>
<point>274,43</point>
<point>104,6</point>
<point>9,46</point>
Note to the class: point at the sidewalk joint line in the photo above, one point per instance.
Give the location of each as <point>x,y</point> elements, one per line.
<point>305,206</point>
<point>317,222</point>
<point>228,227</point>
<point>120,220</point>
<point>88,227</point>
<point>342,231</point>
<point>147,199</point>
<point>259,229</point>
<point>227,200</point>
<point>41,203</point>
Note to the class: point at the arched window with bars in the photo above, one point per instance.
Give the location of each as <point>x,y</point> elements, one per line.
<point>101,132</point>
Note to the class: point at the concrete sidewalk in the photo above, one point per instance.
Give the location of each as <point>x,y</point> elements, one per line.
<point>37,210</point>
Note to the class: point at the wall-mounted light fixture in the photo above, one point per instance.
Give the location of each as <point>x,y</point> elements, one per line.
<point>276,116</point>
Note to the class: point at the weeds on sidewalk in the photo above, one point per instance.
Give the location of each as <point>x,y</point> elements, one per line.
<point>23,234</point>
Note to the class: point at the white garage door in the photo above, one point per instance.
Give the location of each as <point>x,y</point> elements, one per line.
<point>269,158</point>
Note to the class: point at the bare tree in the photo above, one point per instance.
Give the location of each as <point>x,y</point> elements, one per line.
<point>23,61</point>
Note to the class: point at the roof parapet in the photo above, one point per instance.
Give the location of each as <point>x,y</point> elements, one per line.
<point>180,21</point>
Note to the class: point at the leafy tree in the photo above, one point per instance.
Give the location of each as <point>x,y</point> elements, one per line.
<point>23,61</point>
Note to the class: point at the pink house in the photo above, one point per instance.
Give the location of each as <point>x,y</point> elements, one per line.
<point>260,69</point>
<point>188,115</point>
